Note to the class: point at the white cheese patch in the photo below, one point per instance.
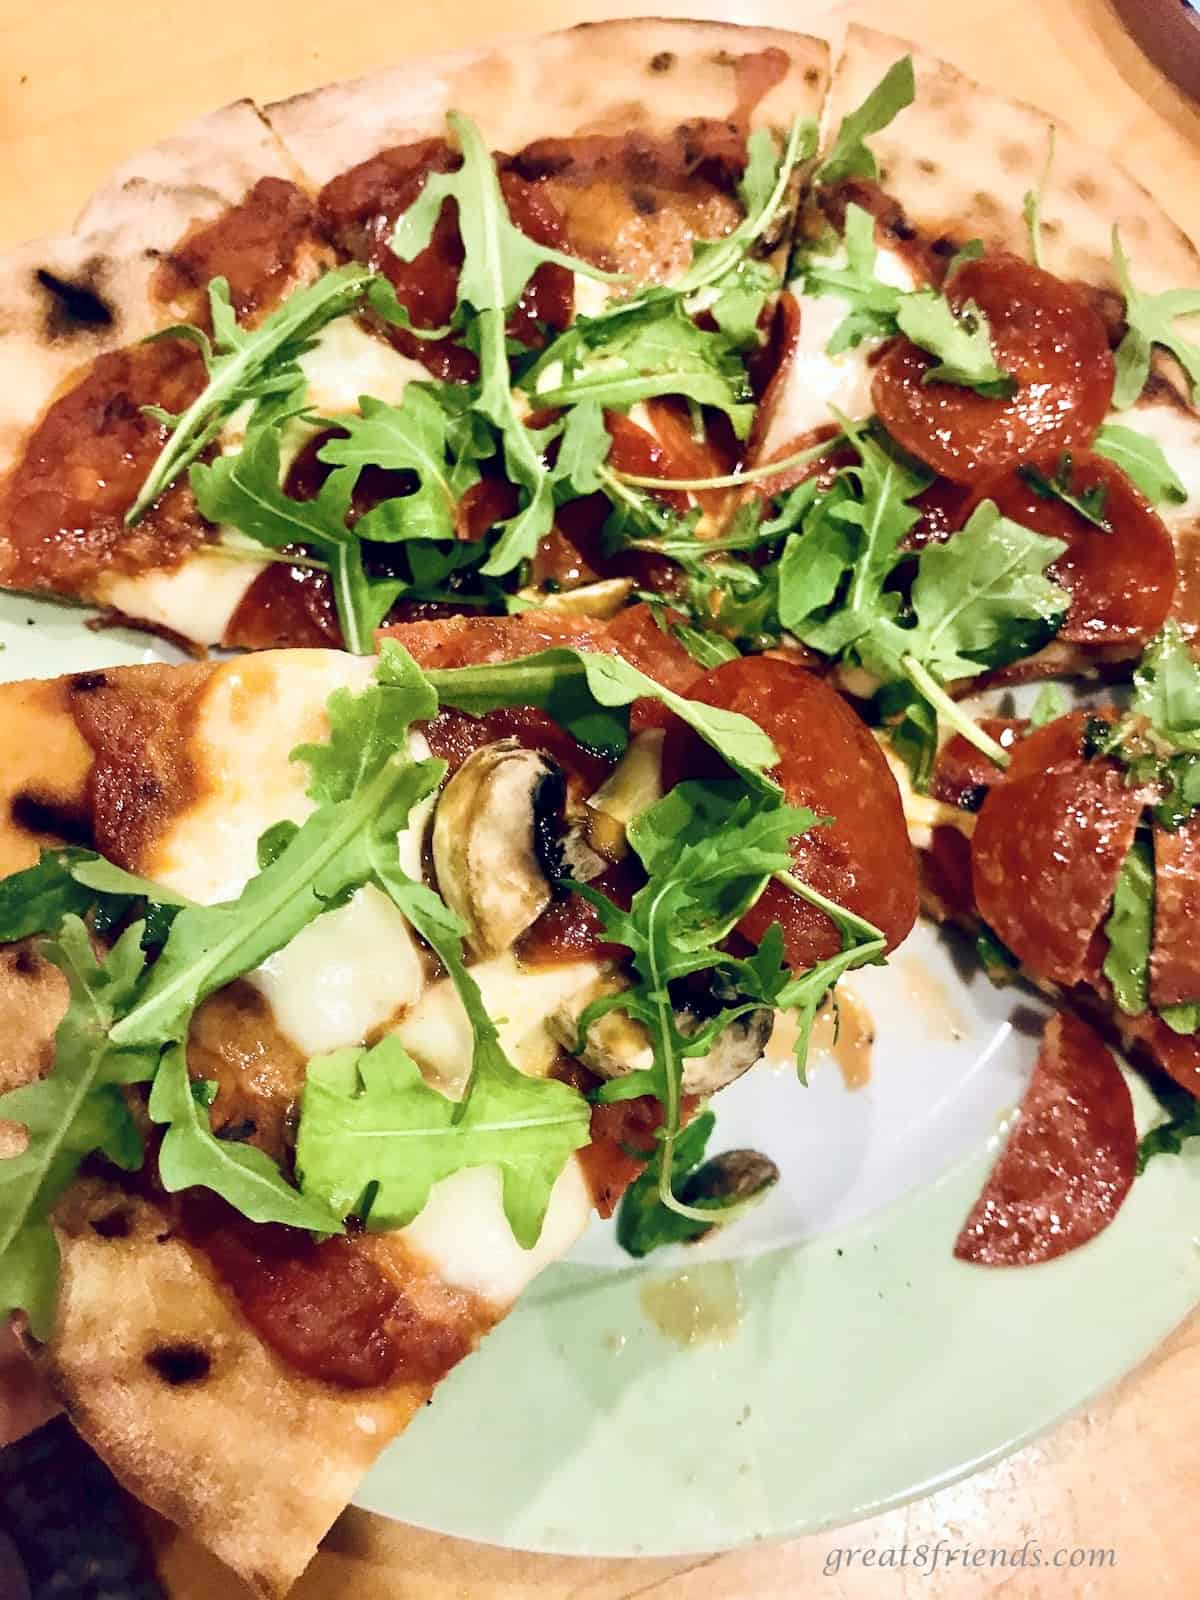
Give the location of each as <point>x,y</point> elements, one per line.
<point>252,714</point>
<point>196,599</point>
<point>438,1035</point>
<point>592,297</point>
<point>1176,431</point>
<point>348,362</point>
<point>345,974</point>
<point>463,1234</point>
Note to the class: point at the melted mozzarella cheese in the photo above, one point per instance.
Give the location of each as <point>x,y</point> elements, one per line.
<point>922,812</point>
<point>437,1032</point>
<point>818,383</point>
<point>196,599</point>
<point>344,975</point>
<point>592,296</point>
<point>347,362</point>
<point>1176,431</point>
<point>463,1234</point>
<point>252,714</point>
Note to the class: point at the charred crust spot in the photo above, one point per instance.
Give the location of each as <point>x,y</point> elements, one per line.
<point>900,228</point>
<point>114,1224</point>
<point>724,58</point>
<point>72,308</point>
<point>1085,187</point>
<point>179,1364</point>
<point>985,204</point>
<point>925,165</point>
<point>1014,156</point>
<point>944,246</point>
<point>23,962</point>
<point>644,203</point>
<point>663,61</point>
<point>43,814</point>
<point>89,682</point>
<point>812,76</point>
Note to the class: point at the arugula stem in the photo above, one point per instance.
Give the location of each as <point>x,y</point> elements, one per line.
<point>264,556</point>
<point>864,932</point>
<point>346,560</point>
<point>922,679</point>
<point>729,480</point>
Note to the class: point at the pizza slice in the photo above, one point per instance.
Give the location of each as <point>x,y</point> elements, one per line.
<point>356,405</point>
<point>340,992</point>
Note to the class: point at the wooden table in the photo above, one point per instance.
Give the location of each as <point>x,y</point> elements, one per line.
<point>86,82</point>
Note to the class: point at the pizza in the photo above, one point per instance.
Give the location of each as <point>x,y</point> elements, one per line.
<point>664,517</point>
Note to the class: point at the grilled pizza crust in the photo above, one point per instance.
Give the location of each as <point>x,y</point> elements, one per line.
<point>961,158</point>
<point>643,75</point>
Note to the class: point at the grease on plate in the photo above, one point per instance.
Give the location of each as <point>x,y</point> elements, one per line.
<point>700,1305</point>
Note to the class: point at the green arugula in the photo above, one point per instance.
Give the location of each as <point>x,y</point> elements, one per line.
<point>1051,703</point>
<point>1166,689</point>
<point>374,1138</point>
<point>1151,320</point>
<point>961,340</point>
<point>243,365</point>
<point>643,1222</point>
<point>191,1156</point>
<point>37,899</point>
<point>243,489</point>
<point>498,262</point>
<point>850,157</point>
<point>410,437</point>
<point>587,695</point>
<point>1130,929</point>
<point>1142,460</point>
<point>1182,1123</point>
<point>76,1111</point>
<point>1089,505</point>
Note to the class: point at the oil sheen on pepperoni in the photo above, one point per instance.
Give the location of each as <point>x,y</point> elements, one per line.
<point>1175,956</point>
<point>1068,1163</point>
<point>1045,333</point>
<point>1121,580</point>
<point>830,762</point>
<point>1048,849</point>
<point>962,775</point>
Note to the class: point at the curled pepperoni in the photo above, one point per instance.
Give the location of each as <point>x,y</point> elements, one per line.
<point>1175,957</point>
<point>1122,580</point>
<point>1069,1162</point>
<point>1045,333</point>
<point>1049,846</point>
<point>830,762</point>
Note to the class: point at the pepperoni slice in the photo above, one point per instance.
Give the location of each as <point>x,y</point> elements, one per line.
<point>830,762</point>
<point>1049,846</point>
<point>962,775</point>
<point>475,641</point>
<point>1069,1162</point>
<point>1175,957</point>
<point>1121,581</point>
<point>1045,333</point>
<point>941,507</point>
<point>1178,1054</point>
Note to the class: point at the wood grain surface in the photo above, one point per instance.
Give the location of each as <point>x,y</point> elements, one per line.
<point>84,83</point>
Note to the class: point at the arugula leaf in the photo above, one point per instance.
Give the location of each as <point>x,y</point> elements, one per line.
<point>374,1138</point>
<point>498,261</point>
<point>1183,1123</point>
<point>1031,207</point>
<point>1166,689</point>
<point>960,339</point>
<point>585,445</point>
<point>1183,1017</point>
<point>873,303</point>
<point>1052,702</point>
<point>644,1224</point>
<point>977,596</point>
<point>1000,966</point>
<point>1142,460</point>
<point>850,157</point>
<point>650,350</point>
<point>75,1111</point>
<point>583,693</point>
<point>1129,930</point>
<point>409,437</point>
<point>1151,320</point>
<point>243,489</point>
<point>191,1156</point>
<point>244,364</point>
<point>37,899</point>
<point>1089,505</point>
<point>365,783</point>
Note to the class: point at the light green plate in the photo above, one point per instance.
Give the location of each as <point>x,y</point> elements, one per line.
<point>861,1364</point>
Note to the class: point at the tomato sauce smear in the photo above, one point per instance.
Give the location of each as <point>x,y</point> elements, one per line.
<point>1069,1162</point>
<point>1045,333</point>
<point>830,762</point>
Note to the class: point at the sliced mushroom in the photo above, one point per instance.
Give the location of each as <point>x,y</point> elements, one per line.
<point>500,841</point>
<point>602,599</point>
<point>633,786</point>
<point>731,1177</point>
<point>617,1044</point>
